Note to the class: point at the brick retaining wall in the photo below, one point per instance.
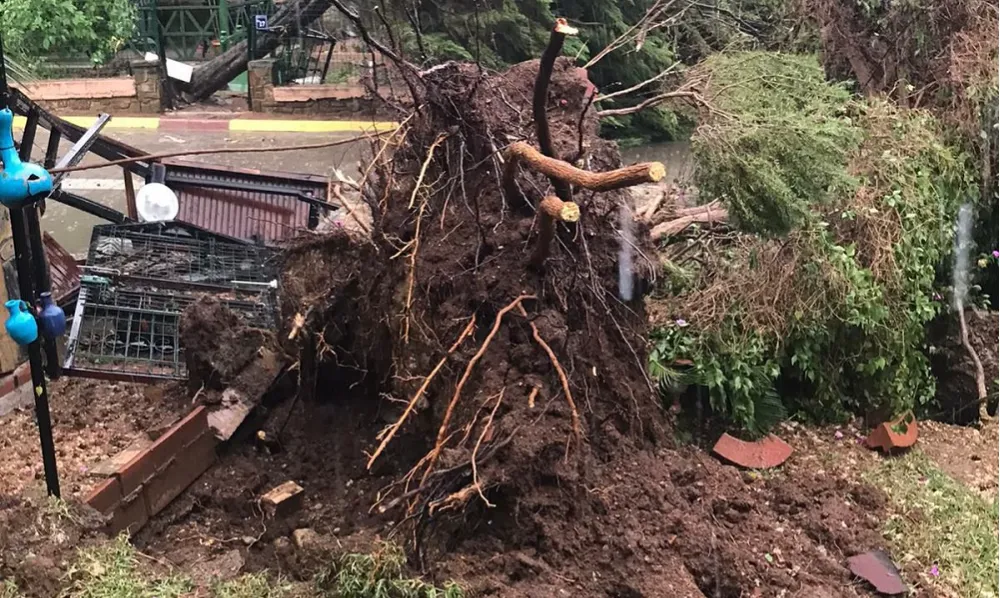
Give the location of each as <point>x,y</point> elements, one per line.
<point>147,483</point>
<point>337,100</point>
<point>137,94</point>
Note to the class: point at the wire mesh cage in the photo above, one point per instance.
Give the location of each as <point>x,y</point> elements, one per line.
<point>178,254</point>
<point>139,280</point>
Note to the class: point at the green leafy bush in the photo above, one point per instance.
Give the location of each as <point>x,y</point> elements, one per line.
<point>831,317</point>
<point>96,28</point>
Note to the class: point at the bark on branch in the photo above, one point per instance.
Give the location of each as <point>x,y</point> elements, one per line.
<point>628,176</point>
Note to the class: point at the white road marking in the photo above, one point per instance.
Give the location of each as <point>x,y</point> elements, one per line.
<point>71,184</point>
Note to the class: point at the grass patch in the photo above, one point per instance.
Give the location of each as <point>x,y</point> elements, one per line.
<point>377,575</point>
<point>111,571</point>
<point>252,585</point>
<point>8,589</point>
<point>955,527</point>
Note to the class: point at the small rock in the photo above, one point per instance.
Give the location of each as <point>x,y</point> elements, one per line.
<point>306,538</point>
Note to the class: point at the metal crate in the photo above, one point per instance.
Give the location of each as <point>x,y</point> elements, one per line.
<point>138,280</point>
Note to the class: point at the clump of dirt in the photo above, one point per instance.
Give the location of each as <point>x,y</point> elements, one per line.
<point>957,395</point>
<point>217,344</point>
<point>541,371</point>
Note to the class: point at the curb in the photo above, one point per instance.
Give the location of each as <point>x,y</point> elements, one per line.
<point>246,125</point>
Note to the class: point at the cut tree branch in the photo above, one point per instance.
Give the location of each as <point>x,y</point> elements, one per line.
<point>704,216</point>
<point>628,176</point>
<point>551,209</point>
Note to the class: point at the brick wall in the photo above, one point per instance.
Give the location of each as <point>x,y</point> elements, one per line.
<point>339,100</point>
<point>136,95</point>
<point>147,483</point>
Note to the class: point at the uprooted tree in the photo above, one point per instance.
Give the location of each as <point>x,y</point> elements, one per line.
<point>484,305</point>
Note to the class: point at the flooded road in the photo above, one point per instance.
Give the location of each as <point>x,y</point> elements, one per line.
<point>72,228</point>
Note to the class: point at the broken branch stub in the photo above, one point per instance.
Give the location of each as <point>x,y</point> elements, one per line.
<point>628,176</point>
<point>557,209</point>
<point>551,209</point>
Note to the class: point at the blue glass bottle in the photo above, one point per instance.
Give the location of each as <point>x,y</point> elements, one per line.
<point>52,317</point>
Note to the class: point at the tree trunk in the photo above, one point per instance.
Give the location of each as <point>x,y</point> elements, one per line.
<point>218,72</point>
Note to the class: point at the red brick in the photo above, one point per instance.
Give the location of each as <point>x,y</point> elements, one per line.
<point>137,471</point>
<point>105,496</point>
<point>130,515</point>
<point>180,472</point>
<point>767,452</point>
<point>885,437</point>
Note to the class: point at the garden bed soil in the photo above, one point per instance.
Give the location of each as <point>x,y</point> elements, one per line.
<point>92,421</point>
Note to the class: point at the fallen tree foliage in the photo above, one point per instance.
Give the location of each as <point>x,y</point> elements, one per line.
<point>826,286</point>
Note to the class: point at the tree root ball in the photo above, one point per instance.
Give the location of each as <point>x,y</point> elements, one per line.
<point>483,362</point>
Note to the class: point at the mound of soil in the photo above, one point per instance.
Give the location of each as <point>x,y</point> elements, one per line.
<point>670,523</point>
<point>39,539</point>
<point>957,395</point>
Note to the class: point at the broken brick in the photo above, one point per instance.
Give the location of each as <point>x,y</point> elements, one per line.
<point>877,568</point>
<point>283,499</point>
<point>898,434</point>
<point>762,454</point>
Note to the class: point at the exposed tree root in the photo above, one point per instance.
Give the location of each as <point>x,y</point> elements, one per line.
<point>386,435</point>
<point>980,376</point>
<point>551,209</point>
<point>443,430</point>
<point>577,431</point>
<point>540,99</point>
<point>479,442</point>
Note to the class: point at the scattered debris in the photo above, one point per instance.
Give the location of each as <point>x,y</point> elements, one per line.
<point>762,454</point>
<point>878,569</point>
<point>900,433</point>
<point>283,499</point>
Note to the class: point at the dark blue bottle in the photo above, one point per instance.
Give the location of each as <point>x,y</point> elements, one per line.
<point>52,316</point>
